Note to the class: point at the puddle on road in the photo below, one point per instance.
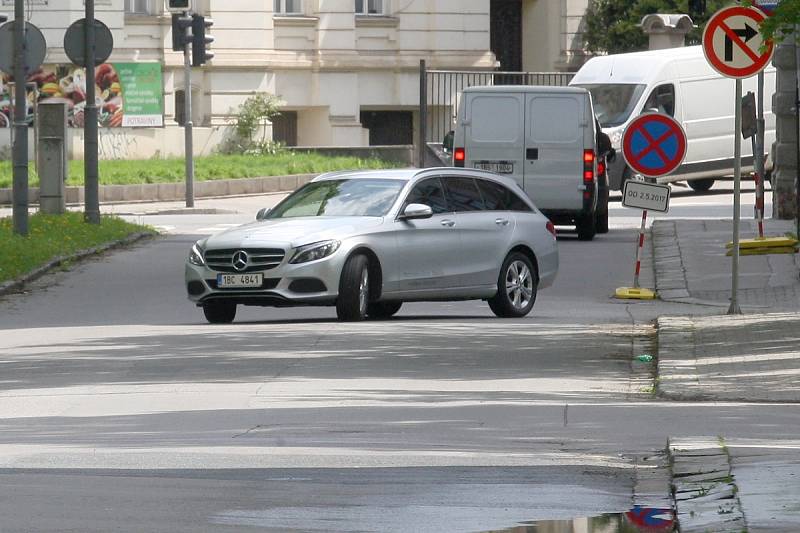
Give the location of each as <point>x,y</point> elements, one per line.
<point>637,520</point>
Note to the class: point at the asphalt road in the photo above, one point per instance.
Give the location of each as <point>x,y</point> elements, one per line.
<point>122,410</point>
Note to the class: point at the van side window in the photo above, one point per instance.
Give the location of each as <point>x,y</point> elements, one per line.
<point>663,99</point>
<point>428,192</point>
<point>463,194</point>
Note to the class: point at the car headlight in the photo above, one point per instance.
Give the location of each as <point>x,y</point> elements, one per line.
<point>314,251</point>
<point>196,256</point>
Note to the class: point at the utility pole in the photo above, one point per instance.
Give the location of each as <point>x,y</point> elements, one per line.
<point>20,149</point>
<point>187,121</point>
<point>91,183</point>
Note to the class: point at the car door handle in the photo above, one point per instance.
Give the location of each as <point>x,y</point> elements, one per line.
<point>448,223</point>
<point>501,221</point>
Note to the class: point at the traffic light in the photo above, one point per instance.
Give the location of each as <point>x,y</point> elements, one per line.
<point>697,8</point>
<point>180,38</point>
<point>179,6</point>
<point>201,41</point>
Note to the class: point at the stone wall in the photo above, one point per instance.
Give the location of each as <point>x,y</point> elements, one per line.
<point>784,151</point>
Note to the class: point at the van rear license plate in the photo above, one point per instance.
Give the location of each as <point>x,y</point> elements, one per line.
<point>239,280</point>
<point>498,167</point>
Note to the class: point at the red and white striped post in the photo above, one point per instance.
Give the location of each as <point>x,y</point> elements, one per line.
<point>639,250</point>
<point>759,204</point>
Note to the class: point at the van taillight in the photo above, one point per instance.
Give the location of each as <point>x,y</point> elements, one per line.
<point>459,156</point>
<point>588,166</point>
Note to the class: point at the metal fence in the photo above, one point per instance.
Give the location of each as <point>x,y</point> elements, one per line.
<point>440,90</point>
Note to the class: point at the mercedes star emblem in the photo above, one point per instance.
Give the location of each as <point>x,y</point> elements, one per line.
<point>240,261</point>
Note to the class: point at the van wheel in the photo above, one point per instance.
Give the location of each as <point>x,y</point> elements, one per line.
<point>601,221</point>
<point>587,227</point>
<point>516,287</point>
<point>701,185</point>
<point>353,300</point>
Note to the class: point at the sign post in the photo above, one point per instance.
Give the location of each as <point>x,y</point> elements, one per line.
<point>732,46</point>
<point>653,145</point>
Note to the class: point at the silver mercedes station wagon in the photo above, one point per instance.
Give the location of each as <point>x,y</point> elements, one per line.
<point>367,241</point>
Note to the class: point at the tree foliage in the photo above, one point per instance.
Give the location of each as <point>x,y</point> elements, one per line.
<point>782,22</point>
<point>613,26</point>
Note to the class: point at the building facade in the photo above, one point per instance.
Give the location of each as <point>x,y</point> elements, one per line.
<point>347,71</point>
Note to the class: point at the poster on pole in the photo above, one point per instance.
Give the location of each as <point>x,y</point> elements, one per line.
<point>128,94</point>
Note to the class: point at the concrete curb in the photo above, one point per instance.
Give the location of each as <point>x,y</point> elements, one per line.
<point>16,284</point>
<point>163,192</point>
<point>671,283</point>
<point>703,486</point>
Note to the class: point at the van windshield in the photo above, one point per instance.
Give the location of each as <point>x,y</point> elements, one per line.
<point>614,102</point>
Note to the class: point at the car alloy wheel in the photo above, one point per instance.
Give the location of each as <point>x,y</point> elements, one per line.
<point>363,292</point>
<point>516,287</point>
<point>519,285</point>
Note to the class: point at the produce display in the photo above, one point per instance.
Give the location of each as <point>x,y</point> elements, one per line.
<point>68,84</point>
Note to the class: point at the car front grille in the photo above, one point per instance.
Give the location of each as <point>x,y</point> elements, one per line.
<point>259,259</point>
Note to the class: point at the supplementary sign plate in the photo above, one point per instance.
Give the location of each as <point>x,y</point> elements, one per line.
<point>648,196</point>
<point>654,145</point>
<point>732,43</point>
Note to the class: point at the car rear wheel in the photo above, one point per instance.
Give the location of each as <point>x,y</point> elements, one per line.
<point>378,310</point>
<point>219,312</point>
<point>353,301</point>
<point>516,287</point>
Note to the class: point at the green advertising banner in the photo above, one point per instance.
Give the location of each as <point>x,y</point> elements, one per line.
<point>128,94</point>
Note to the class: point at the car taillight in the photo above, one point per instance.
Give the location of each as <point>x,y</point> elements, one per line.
<point>588,166</point>
<point>551,228</point>
<point>601,167</point>
<point>459,156</point>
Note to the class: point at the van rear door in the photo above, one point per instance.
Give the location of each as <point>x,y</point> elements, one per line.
<point>555,139</point>
<point>494,135</point>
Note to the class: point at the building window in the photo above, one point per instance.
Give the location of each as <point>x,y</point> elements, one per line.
<point>288,7</point>
<point>369,7</point>
<point>137,7</point>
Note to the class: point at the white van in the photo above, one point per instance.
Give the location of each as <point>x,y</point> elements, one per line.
<point>544,137</point>
<point>680,83</point>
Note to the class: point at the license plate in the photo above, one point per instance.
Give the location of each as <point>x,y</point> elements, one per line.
<point>498,167</point>
<point>239,280</point>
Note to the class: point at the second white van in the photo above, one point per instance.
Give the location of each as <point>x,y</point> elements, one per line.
<point>680,83</point>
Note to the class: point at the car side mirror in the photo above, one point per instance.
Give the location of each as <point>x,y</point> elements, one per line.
<point>447,142</point>
<point>416,211</point>
<point>262,213</point>
<point>611,155</point>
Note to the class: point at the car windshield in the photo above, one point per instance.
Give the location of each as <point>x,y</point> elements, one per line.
<point>614,103</point>
<point>362,197</point>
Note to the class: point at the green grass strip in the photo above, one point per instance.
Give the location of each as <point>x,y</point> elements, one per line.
<point>216,167</point>
<point>51,236</point>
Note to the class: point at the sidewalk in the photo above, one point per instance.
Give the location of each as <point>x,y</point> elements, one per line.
<point>723,483</point>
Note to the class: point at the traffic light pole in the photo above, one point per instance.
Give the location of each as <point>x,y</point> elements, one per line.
<point>187,122</point>
<point>20,149</point>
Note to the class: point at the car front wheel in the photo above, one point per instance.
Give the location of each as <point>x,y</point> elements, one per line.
<point>516,287</point>
<point>353,301</point>
<point>219,312</point>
